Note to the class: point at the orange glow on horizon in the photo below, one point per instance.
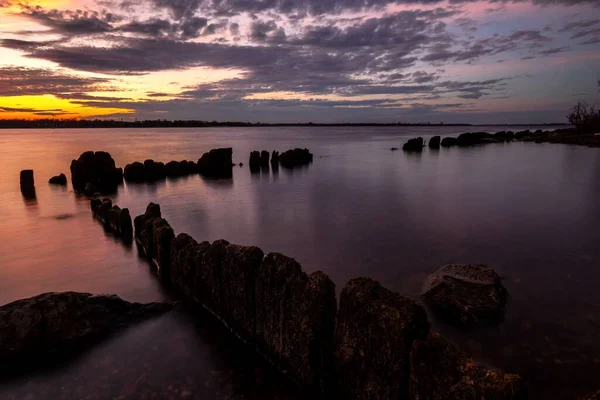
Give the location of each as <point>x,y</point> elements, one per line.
<point>49,106</point>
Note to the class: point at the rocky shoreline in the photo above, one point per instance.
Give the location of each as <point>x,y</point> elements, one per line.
<point>377,345</point>
<point>41,331</point>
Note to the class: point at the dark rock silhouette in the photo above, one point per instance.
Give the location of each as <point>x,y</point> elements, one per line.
<point>275,158</point>
<point>375,331</point>
<point>154,171</point>
<point>415,144</point>
<point>474,138</point>
<point>264,159</point>
<point>504,136</point>
<point>58,180</point>
<point>295,315</point>
<point>394,149</point>
<point>114,218</point>
<point>43,330</point>
<point>154,235</point>
<point>434,142</point>
<point>440,372</point>
<point>295,158</point>
<point>27,184</point>
<point>448,142</point>
<point>592,396</point>
<point>466,295</point>
<point>217,163</point>
<point>97,169</point>
<point>522,134</point>
<point>254,160</point>
<point>134,172</point>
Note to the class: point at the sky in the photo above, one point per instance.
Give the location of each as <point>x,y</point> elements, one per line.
<point>451,61</point>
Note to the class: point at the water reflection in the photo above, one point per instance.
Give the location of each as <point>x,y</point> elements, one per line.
<point>530,211</point>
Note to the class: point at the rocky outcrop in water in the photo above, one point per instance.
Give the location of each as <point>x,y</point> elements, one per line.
<point>434,142</point>
<point>522,134</point>
<point>114,218</point>
<point>60,179</point>
<point>254,160</point>
<point>375,331</point>
<point>217,163</point>
<point>475,138</point>
<point>440,372</point>
<point>448,142</point>
<point>43,330</point>
<point>295,158</point>
<point>27,183</point>
<point>275,158</point>
<point>295,319</point>
<point>415,144</point>
<point>466,295</point>
<point>154,235</point>
<point>152,171</point>
<point>97,169</point>
<point>504,136</point>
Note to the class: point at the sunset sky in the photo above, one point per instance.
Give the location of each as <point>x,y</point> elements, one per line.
<point>494,61</point>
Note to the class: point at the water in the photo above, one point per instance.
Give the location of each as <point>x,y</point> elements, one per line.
<point>530,211</point>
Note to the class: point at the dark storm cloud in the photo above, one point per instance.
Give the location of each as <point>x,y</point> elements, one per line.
<point>15,81</point>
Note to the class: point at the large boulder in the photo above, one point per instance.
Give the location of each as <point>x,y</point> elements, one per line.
<point>60,179</point>
<point>440,372</point>
<point>295,319</point>
<point>154,171</point>
<point>45,329</point>
<point>448,142</point>
<point>217,163</point>
<point>27,183</point>
<point>264,158</point>
<point>97,169</point>
<point>183,264</point>
<point>434,142</point>
<point>134,172</point>
<point>254,161</point>
<point>415,144</point>
<point>375,331</point>
<point>275,159</point>
<point>295,158</point>
<point>466,295</point>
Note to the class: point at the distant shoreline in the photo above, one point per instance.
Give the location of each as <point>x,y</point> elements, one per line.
<point>78,124</point>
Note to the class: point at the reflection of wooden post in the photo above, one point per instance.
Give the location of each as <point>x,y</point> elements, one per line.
<point>27,184</point>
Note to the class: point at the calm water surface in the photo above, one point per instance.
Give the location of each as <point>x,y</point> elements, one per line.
<point>529,211</point>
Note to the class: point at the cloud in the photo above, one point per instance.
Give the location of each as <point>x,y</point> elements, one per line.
<point>21,81</point>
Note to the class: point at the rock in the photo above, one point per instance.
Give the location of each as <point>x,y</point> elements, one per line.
<point>440,372</point>
<point>474,138</point>
<point>466,295</point>
<point>394,149</point>
<point>175,169</point>
<point>375,331</point>
<point>295,158</point>
<point>154,171</point>
<point>504,136</point>
<point>58,180</point>
<point>239,266</point>
<point>98,169</point>
<point>90,189</point>
<point>295,319</point>
<point>254,161</point>
<point>434,142</point>
<point>448,142</point>
<point>241,165</point>
<point>114,218</point>
<point>415,144</point>
<point>522,134</point>
<point>208,279</point>
<point>134,172</point>
<point>264,158</point>
<point>101,209</point>
<point>27,184</point>
<point>46,329</point>
<point>275,158</point>
<point>216,163</point>
<point>154,236</point>
<point>183,264</point>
